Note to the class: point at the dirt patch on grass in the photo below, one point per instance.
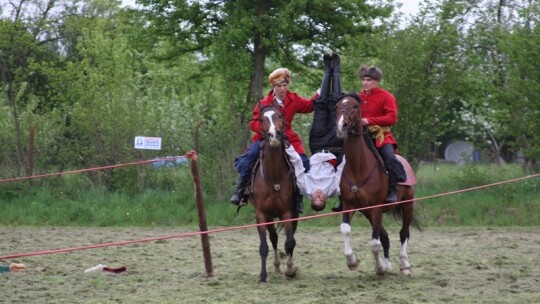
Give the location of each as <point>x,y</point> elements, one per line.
<point>458,265</point>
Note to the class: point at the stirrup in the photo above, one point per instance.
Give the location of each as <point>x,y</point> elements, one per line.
<point>299,208</point>
<point>242,203</point>
<point>338,208</point>
<point>391,198</point>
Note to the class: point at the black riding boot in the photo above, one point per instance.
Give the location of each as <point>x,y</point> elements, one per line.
<point>325,85</point>
<point>327,60</point>
<point>336,87</point>
<point>392,187</point>
<point>339,207</point>
<point>298,202</point>
<point>239,198</point>
<point>336,79</point>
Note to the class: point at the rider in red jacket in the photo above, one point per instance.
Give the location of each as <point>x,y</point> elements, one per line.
<point>379,108</point>
<point>289,104</point>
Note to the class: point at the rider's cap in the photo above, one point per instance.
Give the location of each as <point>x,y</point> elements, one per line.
<point>279,76</point>
<point>372,72</point>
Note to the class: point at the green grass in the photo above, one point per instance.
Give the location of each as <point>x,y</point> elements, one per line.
<point>72,201</point>
<point>513,203</point>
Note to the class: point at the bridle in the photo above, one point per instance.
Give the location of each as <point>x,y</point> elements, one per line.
<point>353,113</point>
<point>280,136</point>
<point>354,119</point>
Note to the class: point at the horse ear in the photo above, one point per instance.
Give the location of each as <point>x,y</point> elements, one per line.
<point>352,95</point>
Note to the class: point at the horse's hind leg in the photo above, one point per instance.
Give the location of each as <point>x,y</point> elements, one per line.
<point>290,243</point>
<point>274,240</point>
<point>404,265</point>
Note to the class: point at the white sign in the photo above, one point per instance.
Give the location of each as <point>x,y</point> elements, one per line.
<point>149,143</point>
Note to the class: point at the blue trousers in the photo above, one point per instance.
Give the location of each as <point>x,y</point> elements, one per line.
<point>244,163</point>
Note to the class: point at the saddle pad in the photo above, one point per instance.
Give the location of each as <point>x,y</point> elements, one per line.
<point>411,177</point>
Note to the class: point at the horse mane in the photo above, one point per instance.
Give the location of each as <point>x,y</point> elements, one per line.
<point>264,108</point>
<point>352,95</point>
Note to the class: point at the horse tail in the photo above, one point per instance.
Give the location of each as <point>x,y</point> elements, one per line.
<point>397,213</point>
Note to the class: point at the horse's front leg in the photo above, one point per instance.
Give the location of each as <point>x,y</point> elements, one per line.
<point>404,233</point>
<point>345,227</point>
<point>382,265</point>
<point>290,243</point>
<point>263,252</point>
<point>274,240</point>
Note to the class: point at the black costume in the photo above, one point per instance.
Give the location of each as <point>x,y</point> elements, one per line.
<point>322,136</point>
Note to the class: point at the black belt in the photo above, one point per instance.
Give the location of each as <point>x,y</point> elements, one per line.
<point>332,150</point>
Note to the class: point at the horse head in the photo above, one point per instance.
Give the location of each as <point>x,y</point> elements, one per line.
<point>348,116</point>
<point>272,125</point>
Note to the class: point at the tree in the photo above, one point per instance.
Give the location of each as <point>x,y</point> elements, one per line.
<point>238,38</point>
<point>26,36</point>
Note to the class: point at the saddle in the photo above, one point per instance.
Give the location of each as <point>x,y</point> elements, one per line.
<point>285,143</point>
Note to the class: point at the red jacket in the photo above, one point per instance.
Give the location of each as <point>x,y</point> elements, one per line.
<point>380,108</point>
<point>292,104</point>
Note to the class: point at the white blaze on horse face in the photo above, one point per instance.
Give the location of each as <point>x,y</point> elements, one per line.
<point>272,130</point>
<point>341,120</point>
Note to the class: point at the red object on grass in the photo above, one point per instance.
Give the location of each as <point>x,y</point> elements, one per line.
<point>115,269</point>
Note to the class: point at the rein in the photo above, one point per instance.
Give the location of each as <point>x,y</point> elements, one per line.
<point>355,121</point>
<point>355,187</point>
<point>274,186</point>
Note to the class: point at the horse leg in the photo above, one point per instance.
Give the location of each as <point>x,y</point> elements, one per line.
<point>352,261</point>
<point>263,252</point>
<point>385,241</point>
<point>290,243</point>
<point>274,240</point>
<point>404,265</point>
<point>376,245</point>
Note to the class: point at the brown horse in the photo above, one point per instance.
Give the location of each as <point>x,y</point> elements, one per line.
<point>273,191</point>
<point>364,183</point>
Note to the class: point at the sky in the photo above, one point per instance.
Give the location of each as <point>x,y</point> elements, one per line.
<point>410,7</point>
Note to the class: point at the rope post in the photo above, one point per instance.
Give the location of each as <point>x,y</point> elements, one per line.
<point>192,155</point>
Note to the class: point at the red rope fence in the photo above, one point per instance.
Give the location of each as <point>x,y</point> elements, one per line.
<point>198,233</point>
<point>92,169</point>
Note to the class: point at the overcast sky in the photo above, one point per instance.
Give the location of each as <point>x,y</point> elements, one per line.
<point>410,7</point>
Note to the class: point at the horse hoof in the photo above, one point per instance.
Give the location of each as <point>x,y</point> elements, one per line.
<point>353,266</point>
<point>406,271</point>
<point>289,274</point>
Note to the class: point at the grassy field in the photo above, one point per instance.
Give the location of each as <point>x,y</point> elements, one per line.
<point>450,265</point>
<point>477,246</point>
<point>70,201</point>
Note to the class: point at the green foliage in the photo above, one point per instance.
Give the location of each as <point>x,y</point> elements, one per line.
<point>509,203</point>
<point>87,77</point>
<point>72,200</point>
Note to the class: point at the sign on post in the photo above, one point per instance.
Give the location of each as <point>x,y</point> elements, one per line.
<point>149,143</point>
